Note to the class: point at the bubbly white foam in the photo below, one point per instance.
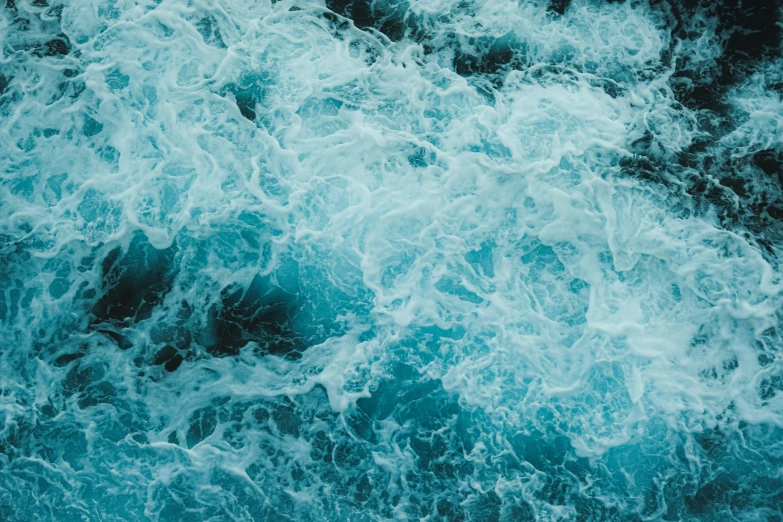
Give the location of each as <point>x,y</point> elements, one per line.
<point>575,320</point>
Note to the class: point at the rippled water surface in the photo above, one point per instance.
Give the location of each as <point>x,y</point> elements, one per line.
<point>353,260</point>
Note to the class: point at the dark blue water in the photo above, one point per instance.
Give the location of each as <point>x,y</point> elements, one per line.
<point>392,260</point>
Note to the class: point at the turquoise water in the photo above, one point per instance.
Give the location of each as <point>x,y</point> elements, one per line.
<point>418,260</point>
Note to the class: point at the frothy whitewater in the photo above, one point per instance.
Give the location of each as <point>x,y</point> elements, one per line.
<point>426,260</point>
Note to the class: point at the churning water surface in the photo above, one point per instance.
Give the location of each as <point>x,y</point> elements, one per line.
<point>427,260</point>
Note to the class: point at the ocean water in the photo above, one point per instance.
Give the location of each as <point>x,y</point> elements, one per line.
<point>354,260</point>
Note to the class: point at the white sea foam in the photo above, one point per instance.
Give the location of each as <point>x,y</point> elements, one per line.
<point>485,299</point>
